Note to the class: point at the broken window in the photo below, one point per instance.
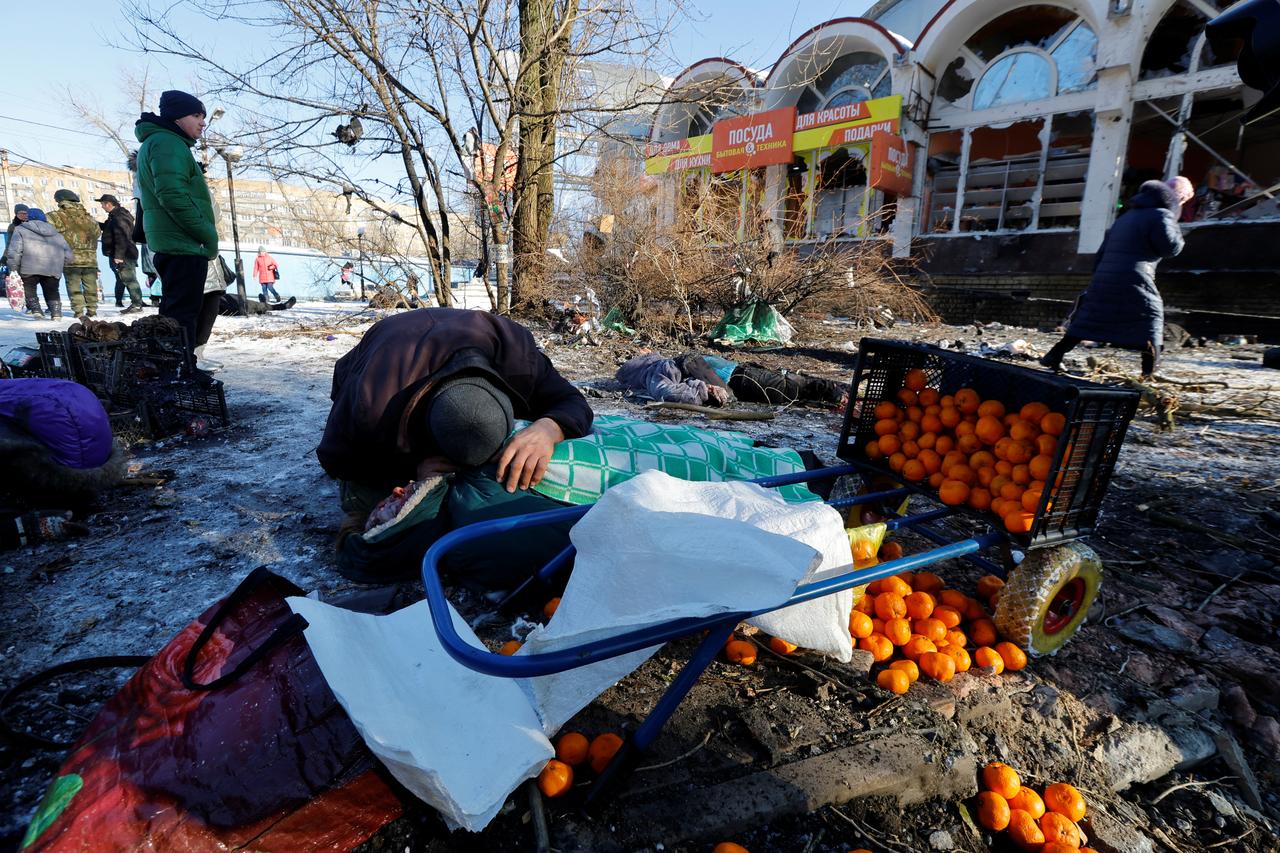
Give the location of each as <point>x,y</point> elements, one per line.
<point>1027,175</point>
<point>840,193</point>
<point>1001,178</point>
<point>1066,164</point>
<point>943,172</point>
<point>1015,77</point>
<point>1234,168</point>
<point>795,202</point>
<point>1177,45</point>
<point>850,78</point>
<point>1029,54</point>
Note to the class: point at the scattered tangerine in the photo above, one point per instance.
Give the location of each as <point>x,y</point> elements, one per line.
<point>571,748</point>
<point>937,666</point>
<point>993,811</point>
<point>947,615</point>
<point>1001,778</point>
<point>740,652</point>
<point>1029,801</point>
<point>989,657</point>
<point>510,647</point>
<point>1014,660</point>
<point>894,680</point>
<point>983,632</point>
<point>1024,831</point>
<point>603,748</point>
<point>920,606</point>
<point>1065,800</point>
<point>781,646</point>
<point>879,646</point>
<point>1058,828</point>
<point>909,667</point>
<point>556,779</point>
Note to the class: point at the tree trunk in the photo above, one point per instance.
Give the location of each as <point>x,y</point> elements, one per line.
<point>544,35</point>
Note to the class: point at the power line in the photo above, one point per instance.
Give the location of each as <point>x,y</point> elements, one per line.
<point>82,176</point>
<point>56,127</point>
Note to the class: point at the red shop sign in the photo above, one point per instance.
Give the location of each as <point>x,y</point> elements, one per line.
<point>763,139</point>
<point>891,163</point>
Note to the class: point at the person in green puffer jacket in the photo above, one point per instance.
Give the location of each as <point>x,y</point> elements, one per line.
<point>177,211</point>
<point>81,232</point>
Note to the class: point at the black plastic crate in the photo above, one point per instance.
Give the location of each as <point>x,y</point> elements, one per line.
<point>187,407</point>
<point>130,425</point>
<point>59,356</point>
<point>1097,418</point>
<point>138,375</point>
<point>96,364</point>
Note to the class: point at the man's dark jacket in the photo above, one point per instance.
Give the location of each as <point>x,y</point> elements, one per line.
<point>402,358</point>
<point>117,236</point>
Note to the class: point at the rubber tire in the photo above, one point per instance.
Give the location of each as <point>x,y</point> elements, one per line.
<point>1030,589</point>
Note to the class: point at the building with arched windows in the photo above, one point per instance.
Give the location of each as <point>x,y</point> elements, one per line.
<point>993,141</point>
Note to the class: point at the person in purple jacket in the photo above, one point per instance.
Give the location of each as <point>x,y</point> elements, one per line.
<point>56,453</point>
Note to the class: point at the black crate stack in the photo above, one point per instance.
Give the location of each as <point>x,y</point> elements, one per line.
<point>145,382</point>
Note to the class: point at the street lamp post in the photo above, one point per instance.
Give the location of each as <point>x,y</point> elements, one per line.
<point>360,247</point>
<point>231,156</point>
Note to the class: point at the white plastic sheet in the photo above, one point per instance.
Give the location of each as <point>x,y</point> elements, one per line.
<point>657,548</point>
<point>652,549</point>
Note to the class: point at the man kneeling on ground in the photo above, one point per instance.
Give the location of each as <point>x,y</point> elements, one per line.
<point>434,394</point>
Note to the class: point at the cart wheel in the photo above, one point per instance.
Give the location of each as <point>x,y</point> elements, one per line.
<point>1048,596</point>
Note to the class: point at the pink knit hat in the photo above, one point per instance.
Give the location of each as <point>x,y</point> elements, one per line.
<point>1182,188</point>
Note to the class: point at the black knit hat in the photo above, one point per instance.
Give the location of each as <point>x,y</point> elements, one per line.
<point>20,208</point>
<point>175,105</point>
<point>469,418</point>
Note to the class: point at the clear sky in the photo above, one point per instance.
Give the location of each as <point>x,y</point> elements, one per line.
<point>80,45</point>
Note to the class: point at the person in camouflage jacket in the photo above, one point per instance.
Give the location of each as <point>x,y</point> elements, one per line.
<point>81,231</point>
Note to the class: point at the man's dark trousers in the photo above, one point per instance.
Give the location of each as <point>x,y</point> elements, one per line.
<point>182,290</point>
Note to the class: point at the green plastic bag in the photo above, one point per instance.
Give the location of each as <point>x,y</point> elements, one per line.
<point>753,321</point>
<point>613,322</point>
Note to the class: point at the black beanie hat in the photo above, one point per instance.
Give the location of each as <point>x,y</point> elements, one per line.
<point>175,105</point>
<point>469,418</point>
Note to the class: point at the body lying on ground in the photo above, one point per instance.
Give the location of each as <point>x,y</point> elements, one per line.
<point>708,380</point>
<point>230,305</point>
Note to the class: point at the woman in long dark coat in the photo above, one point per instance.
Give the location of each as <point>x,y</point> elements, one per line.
<point>1122,305</point>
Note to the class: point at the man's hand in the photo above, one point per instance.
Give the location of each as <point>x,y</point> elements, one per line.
<point>524,460</point>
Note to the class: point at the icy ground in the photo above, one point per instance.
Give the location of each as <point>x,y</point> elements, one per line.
<point>254,494</point>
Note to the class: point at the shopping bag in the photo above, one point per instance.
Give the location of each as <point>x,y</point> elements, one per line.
<point>13,289</point>
<point>228,738</point>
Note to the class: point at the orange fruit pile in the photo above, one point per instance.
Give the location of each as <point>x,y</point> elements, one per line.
<point>573,750</point>
<point>1041,824</point>
<point>915,626</point>
<point>971,451</point>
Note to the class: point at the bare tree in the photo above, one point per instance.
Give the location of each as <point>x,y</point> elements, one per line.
<point>118,127</point>
<point>441,87</point>
<point>681,277</point>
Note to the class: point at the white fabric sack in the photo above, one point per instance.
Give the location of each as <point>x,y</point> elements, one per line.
<point>459,740</point>
<point>652,549</point>
<point>657,548</point>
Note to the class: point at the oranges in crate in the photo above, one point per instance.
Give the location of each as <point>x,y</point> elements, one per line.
<point>972,452</point>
